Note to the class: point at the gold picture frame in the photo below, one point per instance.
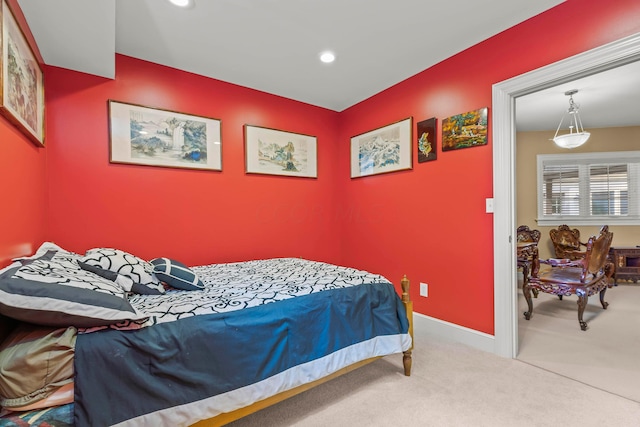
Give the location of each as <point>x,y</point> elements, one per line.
<point>22,82</point>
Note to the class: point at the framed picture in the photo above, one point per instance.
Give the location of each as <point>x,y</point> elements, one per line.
<point>426,137</point>
<point>22,98</point>
<point>386,149</point>
<point>276,152</point>
<point>465,130</point>
<point>155,137</point>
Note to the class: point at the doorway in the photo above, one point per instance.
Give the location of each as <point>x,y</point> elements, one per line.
<point>609,56</point>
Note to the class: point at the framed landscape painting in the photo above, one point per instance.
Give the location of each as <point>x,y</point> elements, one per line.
<point>277,152</point>
<point>465,130</point>
<point>386,149</point>
<point>22,97</point>
<point>155,137</point>
<point>426,137</point>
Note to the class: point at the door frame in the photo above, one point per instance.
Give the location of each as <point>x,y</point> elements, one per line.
<point>504,94</point>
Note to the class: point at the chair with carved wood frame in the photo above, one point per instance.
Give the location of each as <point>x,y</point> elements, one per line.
<point>527,251</point>
<point>583,277</point>
<point>566,242</point>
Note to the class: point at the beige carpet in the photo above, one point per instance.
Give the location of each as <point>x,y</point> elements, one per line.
<point>607,355</point>
<point>451,385</point>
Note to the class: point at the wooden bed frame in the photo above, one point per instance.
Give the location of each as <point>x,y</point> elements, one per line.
<point>228,417</point>
<point>7,324</point>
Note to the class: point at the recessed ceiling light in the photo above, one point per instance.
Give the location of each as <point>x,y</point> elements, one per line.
<point>182,3</point>
<point>327,57</point>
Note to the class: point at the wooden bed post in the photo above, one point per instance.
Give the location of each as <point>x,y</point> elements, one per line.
<point>408,306</point>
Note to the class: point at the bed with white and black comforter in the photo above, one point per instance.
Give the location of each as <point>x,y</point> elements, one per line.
<point>253,329</point>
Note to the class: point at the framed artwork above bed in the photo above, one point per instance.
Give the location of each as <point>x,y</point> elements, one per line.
<point>22,88</point>
<point>277,152</point>
<point>155,137</point>
<point>382,150</point>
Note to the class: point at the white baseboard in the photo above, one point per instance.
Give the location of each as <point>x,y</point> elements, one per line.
<point>425,327</point>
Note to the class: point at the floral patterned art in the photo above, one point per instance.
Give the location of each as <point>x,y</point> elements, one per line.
<point>22,89</point>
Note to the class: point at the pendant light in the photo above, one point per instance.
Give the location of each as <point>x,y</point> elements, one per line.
<point>576,136</point>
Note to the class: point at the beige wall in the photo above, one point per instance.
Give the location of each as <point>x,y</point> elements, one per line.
<point>529,144</point>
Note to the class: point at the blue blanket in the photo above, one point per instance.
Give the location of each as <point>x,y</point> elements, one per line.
<point>179,372</point>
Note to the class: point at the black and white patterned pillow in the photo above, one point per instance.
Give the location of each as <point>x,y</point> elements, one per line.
<point>126,264</point>
<point>53,290</point>
<point>125,282</point>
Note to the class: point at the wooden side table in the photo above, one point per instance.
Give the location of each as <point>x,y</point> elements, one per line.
<point>627,262</point>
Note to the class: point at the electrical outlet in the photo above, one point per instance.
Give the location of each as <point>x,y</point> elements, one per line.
<point>424,290</point>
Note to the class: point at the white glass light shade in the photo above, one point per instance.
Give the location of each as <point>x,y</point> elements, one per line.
<point>571,140</point>
<point>576,136</point>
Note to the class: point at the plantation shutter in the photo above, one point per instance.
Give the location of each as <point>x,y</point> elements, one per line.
<point>589,188</point>
<point>561,190</point>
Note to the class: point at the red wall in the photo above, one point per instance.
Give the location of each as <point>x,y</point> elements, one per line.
<point>22,217</point>
<point>430,223</point>
<point>23,177</point>
<point>195,216</point>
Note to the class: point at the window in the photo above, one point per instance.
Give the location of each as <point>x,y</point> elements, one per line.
<point>589,188</point>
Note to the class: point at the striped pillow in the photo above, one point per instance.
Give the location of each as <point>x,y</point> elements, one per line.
<point>53,290</point>
<point>176,274</point>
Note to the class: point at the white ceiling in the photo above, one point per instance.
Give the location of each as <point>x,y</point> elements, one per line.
<point>607,99</point>
<point>274,45</point>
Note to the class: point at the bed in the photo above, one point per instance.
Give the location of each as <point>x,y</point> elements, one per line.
<point>177,345</point>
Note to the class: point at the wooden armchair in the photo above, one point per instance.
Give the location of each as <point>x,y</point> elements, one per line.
<point>566,242</point>
<point>527,247</point>
<point>583,277</point>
